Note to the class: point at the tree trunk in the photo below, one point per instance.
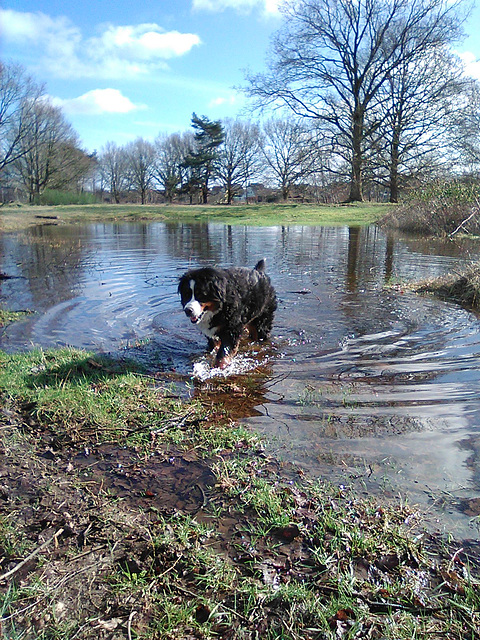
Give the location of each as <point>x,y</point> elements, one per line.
<point>204,194</point>
<point>357,158</point>
<point>229,193</point>
<point>394,168</point>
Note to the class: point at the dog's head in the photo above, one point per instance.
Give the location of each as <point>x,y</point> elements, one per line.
<point>202,292</point>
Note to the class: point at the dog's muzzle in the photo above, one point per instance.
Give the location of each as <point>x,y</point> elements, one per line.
<point>194,311</point>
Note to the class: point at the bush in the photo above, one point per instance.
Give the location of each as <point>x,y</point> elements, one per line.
<point>438,209</point>
<point>53,197</point>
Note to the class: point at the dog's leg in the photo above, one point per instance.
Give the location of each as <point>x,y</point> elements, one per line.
<point>228,347</point>
<point>213,344</point>
<point>262,326</point>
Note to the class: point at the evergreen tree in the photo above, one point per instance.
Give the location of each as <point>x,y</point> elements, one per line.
<point>202,159</point>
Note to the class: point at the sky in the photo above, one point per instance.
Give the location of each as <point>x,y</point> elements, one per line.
<point>122,69</point>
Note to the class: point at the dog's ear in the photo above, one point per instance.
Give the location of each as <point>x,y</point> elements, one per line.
<point>216,289</point>
<point>180,284</point>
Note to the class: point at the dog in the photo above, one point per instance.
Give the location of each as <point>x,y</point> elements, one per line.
<point>222,303</point>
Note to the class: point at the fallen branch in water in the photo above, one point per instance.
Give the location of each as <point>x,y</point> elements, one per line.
<point>464,222</point>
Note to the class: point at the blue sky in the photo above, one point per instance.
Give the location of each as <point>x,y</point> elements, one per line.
<point>126,69</point>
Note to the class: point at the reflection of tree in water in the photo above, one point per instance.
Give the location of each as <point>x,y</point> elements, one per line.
<point>47,260</point>
<point>194,241</point>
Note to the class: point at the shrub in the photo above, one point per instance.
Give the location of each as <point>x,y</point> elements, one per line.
<point>53,197</point>
<point>438,208</point>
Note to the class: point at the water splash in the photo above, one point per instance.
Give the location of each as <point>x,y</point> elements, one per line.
<point>240,364</point>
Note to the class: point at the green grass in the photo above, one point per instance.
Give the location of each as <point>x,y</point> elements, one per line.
<point>86,398</point>
<point>55,197</point>
<point>12,218</point>
<point>6,316</point>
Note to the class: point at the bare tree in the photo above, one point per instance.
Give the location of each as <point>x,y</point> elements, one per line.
<point>288,148</point>
<point>113,169</point>
<point>465,128</point>
<point>332,58</point>
<point>415,107</point>
<point>238,156</point>
<point>49,151</point>
<point>141,157</point>
<point>19,95</point>
<point>171,153</point>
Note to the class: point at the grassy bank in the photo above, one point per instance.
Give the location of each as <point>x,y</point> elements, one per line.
<point>129,512</point>
<point>15,217</point>
<point>462,287</point>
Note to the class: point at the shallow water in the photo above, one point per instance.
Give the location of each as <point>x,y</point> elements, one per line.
<point>360,383</point>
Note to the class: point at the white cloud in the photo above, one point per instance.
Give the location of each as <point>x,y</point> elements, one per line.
<point>471,64</point>
<point>269,6</point>
<point>144,42</point>
<point>98,101</point>
<point>220,101</point>
<point>116,52</point>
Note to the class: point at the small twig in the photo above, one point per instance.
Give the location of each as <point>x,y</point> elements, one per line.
<point>56,586</point>
<point>32,555</point>
<point>454,558</point>
<point>129,625</point>
<point>174,422</point>
<point>204,497</point>
<point>220,604</point>
<point>86,553</point>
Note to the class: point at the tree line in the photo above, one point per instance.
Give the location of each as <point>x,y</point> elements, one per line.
<point>366,93</point>
<point>233,154</point>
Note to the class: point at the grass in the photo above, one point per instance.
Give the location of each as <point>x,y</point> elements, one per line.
<point>264,554</point>
<point>461,287</point>
<point>7,316</point>
<point>83,398</point>
<point>15,217</point>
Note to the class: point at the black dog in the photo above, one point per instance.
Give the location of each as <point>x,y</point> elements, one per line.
<point>223,302</point>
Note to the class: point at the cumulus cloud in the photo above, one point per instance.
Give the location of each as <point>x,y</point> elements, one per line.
<point>268,6</point>
<point>115,52</point>
<point>98,101</point>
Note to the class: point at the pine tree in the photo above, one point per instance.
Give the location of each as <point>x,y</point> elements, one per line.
<point>202,159</point>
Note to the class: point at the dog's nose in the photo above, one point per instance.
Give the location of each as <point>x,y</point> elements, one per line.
<point>188,311</point>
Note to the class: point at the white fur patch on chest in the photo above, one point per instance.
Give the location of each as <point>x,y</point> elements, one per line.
<point>197,311</point>
<point>205,324</point>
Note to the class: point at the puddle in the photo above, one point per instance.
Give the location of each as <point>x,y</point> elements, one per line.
<point>359,383</point>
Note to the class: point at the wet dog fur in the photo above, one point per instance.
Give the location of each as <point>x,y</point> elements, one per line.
<point>223,302</point>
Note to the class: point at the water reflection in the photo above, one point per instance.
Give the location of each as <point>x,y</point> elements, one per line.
<point>363,382</point>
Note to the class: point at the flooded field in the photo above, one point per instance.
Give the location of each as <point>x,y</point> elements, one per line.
<point>361,382</point>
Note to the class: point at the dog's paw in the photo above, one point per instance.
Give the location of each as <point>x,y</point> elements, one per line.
<point>224,361</point>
